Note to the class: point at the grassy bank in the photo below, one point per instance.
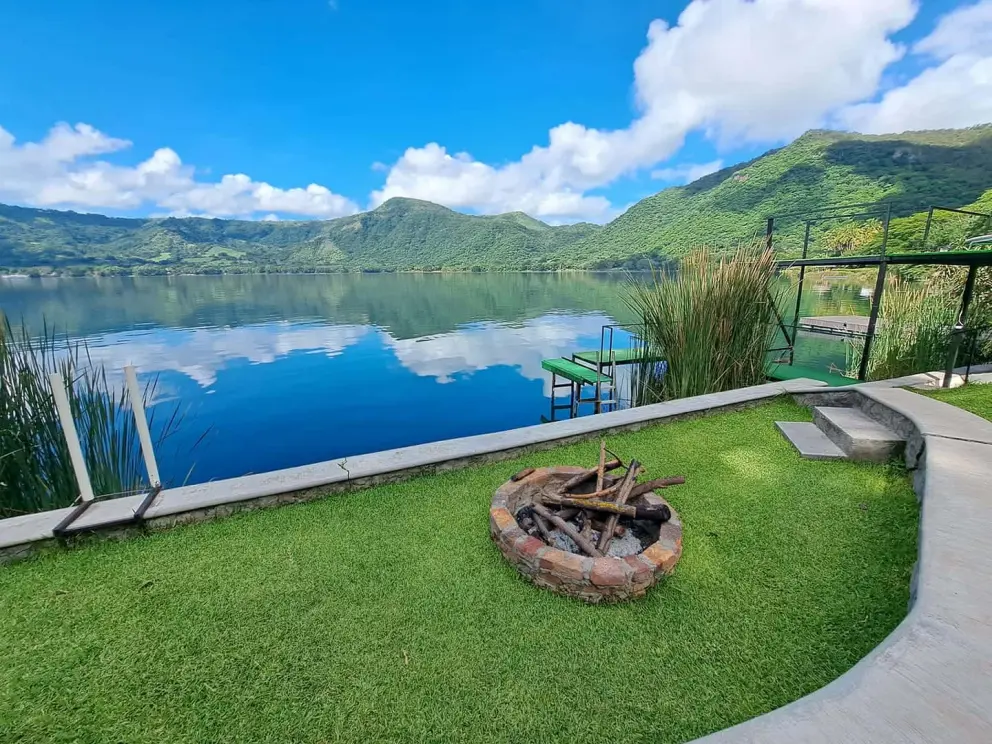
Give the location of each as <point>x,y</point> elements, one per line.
<point>388,614</point>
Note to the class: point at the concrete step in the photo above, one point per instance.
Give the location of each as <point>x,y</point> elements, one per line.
<point>857,434</point>
<point>812,443</point>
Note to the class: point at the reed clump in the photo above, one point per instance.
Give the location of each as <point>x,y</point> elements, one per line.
<point>712,320</point>
<point>913,334</point>
<point>35,469</point>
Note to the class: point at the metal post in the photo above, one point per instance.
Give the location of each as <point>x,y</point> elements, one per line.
<point>141,422</point>
<point>969,290</point>
<point>926,232</point>
<point>876,303</point>
<point>71,437</point>
<point>958,332</point>
<point>799,297</point>
<point>885,234</point>
<point>769,231</point>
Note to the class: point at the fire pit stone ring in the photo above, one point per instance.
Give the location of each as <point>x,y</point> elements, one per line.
<point>603,579</point>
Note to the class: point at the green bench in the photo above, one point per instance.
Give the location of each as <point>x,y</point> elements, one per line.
<point>574,372</point>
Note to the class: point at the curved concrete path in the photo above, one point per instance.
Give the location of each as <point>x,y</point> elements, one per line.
<point>931,679</point>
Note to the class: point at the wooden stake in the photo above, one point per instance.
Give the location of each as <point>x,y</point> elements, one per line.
<point>582,477</point>
<point>602,465</point>
<point>626,486</point>
<point>585,546</point>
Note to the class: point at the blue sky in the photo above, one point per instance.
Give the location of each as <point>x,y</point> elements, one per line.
<point>565,109</point>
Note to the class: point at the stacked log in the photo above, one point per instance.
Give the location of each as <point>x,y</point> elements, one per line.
<point>592,519</point>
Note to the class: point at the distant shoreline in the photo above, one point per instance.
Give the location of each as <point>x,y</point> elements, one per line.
<point>324,273</point>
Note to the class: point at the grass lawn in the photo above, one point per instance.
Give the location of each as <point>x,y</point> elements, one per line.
<point>389,615</point>
<point>974,397</point>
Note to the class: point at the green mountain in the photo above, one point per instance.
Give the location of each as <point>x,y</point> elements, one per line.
<point>904,173</point>
<point>909,172</point>
<point>400,234</point>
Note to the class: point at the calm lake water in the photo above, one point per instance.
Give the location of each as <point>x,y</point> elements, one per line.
<point>285,370</point>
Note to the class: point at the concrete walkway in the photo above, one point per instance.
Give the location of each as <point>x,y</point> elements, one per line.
<point>931,679</point>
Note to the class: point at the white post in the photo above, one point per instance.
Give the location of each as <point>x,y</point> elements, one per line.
<point>140,420</point>
<point>71,437</point>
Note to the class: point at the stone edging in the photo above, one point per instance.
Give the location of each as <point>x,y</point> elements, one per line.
<point>22,536</point>
<point>930,680</point>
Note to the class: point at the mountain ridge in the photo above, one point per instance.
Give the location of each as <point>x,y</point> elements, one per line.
<point>903,172</point>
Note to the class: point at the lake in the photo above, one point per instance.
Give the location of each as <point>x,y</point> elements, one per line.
<point>286,370</point>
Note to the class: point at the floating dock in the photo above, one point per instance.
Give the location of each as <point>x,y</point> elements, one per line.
<point>837,325</point>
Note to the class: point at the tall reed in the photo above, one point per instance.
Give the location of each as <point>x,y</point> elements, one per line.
<point>35,470</point>
<point>712,320</point>
<point>913,334</point>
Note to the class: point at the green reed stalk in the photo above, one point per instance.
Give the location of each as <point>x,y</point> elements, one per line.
<point>713,321</point>
<point>35,470</point>
<point>913,332</point>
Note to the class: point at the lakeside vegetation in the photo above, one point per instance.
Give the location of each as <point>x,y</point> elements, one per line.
<point>35,468</point>
<point>712,321</point>
<point>914,332</point>
<point>302,619</point>
<point>907,172</point>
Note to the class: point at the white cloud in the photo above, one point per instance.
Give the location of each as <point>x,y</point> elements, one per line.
<point>957,92</point>
<point>686,173</point>
<point>757,70</point>
<point>484,345</point>
<point>60,171</point>
<point>201,353</point>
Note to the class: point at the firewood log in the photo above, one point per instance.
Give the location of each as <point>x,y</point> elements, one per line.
<point>626,486</point>
<point>650,513</point>
<point>642,488</point>
<point>521,475</point>
<point>585,546</point>
<point>587,475</point>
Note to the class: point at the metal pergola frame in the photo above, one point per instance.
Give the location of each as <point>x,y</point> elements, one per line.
<point>973,258</point>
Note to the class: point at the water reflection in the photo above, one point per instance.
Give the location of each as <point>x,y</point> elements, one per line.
<point>289,370</point>
<point>199,353</point>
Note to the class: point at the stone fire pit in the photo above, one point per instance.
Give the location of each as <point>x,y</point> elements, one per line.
<point>604,579</point>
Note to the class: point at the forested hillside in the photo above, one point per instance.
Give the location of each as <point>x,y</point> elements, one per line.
<point>401,234</point>
<point>907,172</point>
<point>910,172</point>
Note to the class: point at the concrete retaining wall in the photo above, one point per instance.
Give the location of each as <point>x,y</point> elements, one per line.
<point>20,537</point>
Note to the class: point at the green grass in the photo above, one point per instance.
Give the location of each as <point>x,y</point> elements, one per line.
<point>389,615</point>
<point>973,397</point>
